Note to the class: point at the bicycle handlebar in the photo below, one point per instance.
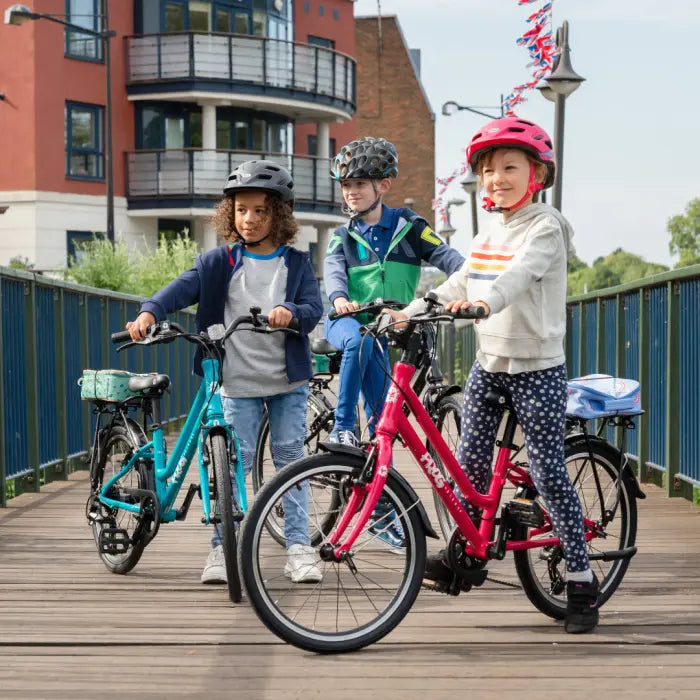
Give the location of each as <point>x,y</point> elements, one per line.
<point>370,307</point>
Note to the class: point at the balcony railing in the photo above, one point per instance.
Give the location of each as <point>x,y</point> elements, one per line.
<point>247,63</point>
<point>201,174</point>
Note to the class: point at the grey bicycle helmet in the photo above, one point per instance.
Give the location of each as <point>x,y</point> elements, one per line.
<point>366,159</point>
<point>263,175</point>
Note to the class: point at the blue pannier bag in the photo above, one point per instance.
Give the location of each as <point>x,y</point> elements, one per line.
<point>600,395</point>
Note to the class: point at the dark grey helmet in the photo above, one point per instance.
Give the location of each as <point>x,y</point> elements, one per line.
<point>366,159</point>
<point>263,175</point>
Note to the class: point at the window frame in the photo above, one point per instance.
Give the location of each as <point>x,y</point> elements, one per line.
<point>73,237</point>
<point>99,138</point>
<point>97,26</point>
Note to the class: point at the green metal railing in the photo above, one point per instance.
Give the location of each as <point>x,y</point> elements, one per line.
<point>648,330</point>
<point>50,332</point>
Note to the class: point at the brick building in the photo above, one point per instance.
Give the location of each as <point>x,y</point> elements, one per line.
<point>198,86</point>
<point>392,103</point>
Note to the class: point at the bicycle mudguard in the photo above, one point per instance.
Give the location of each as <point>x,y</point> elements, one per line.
<point>337,448</point>
<point>627,469</point>
<point>447,390</point>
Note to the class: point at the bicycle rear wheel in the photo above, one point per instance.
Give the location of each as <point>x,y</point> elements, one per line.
<point>355,602</point>
<point>319,423</point>
<point>223,511</point>
<point>448,420</point>
<point>119,444</point>
<point>542,571</point>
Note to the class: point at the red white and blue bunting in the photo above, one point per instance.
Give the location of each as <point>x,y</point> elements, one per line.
<point>542,51</point>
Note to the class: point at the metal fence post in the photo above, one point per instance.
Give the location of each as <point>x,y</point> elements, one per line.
<point>674,487</point>
<point>3,470</point>
<point>31,381</point>
<point>59,349</point>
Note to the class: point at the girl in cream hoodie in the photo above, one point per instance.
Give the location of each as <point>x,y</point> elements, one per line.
<point>517,272</point>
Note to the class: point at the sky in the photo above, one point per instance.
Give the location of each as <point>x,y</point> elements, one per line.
<point>632,130</point>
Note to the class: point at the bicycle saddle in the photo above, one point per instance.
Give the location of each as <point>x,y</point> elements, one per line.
<point>320,346</point>
<point>499,399</point>
<point>150,384</point>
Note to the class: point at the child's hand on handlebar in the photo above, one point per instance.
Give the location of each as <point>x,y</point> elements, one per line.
<point>137,329</point>
<point>342,305</point>
<point>279,317</point>
<point>399,318</point>
<point>462,304</point>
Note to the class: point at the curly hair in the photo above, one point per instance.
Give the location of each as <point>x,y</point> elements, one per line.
<point>284,226</point>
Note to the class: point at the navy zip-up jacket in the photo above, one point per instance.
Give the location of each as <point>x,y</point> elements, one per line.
<point>206,284</point>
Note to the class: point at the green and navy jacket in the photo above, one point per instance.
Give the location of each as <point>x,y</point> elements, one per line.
<point>352,269</point>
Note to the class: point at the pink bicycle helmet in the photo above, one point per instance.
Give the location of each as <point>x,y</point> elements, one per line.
<point>518,133</point>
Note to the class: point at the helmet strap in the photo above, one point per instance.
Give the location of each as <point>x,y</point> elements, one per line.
<point>532,187</point>
<point>250,244</point>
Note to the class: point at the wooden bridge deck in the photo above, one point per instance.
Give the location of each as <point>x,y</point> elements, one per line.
<point>70,629</point>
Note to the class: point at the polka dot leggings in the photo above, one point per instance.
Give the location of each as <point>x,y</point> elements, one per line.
<point>539,399</point>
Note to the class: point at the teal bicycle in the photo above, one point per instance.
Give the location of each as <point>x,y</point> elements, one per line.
<point>133,483</point>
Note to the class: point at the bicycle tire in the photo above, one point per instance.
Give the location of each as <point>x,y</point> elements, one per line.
<point>223,499</point>
<point>447,418</point>
<point>117,444</point>
<point>301,629</point>
<point>264,468</point>
<point>539,586</point>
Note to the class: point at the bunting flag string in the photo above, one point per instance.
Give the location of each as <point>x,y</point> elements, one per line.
<point>542,51</point>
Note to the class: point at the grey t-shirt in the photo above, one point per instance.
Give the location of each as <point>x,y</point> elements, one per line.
<point>254,364</point>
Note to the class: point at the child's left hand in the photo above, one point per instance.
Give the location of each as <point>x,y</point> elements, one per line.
<point>279,317</point>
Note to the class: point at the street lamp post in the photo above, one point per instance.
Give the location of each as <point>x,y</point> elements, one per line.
<point>470,184</point>
<point>560,83</point>
<point>19,14</point>
<point>451,107</point>
<point>447,229</point>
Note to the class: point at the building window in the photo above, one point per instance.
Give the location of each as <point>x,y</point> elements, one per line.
<point>84,141</point>
<point>171,229</point>
<point>321,10</point>
<point>306,7</point>
<point>312,145</point>
<point>320,41</point>
<point>84,13</point>
<point>76,238</point>
<point>336,15</point>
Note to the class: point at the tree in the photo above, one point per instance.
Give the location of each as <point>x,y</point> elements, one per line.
<point>19,262</point>
<point>685,234</point>
<point>617,268</point>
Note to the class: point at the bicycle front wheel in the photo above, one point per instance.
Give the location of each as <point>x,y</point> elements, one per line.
<point>345,605</point>
<point>448,420</point>
<point>319,423</point>
<point>223,512</point>
<point>608,501</point>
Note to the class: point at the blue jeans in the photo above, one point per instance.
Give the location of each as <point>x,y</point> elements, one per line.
<point>364,371</point>
<point>287,415</point>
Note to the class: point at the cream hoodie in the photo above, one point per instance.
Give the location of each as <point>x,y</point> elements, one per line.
<point>518,267</point>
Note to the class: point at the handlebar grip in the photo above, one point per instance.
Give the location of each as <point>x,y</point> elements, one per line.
<point>472,312</point>
<point>121,337</point>
<point>294,324</point>
<point>332,315</point>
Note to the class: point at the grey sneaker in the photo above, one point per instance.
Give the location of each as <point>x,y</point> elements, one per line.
<point>344,437</point>
<point>215,567</point>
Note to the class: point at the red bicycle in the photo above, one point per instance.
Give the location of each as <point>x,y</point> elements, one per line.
<point>367,586</point>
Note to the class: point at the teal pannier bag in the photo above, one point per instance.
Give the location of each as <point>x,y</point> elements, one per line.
<point>106,385</point>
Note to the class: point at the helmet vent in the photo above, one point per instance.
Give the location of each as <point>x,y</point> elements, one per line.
<point>516,129</point>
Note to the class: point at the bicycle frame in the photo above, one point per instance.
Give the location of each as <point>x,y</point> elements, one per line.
<point>205,414</point>
<point>394,423</point>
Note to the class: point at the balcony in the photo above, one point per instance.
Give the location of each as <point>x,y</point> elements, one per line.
<point>302,81</point>
<point>195,178</point>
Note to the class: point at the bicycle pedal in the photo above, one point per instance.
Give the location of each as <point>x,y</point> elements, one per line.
<point>114,540</point>
<point>526,512</point>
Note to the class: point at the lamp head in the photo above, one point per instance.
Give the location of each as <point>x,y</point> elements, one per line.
<point>449,108</point>
<point>18,14</point>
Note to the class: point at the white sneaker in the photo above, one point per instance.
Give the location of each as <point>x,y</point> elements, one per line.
<point>215,567</point>
<point>301,564</point>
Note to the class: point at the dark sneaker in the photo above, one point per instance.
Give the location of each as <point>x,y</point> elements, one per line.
<point>581,606</point>
<point>437,569</point>
<point>386,525</point>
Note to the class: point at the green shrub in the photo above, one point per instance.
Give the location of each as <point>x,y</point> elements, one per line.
<point>101,264</point>
<point>156,268</point>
